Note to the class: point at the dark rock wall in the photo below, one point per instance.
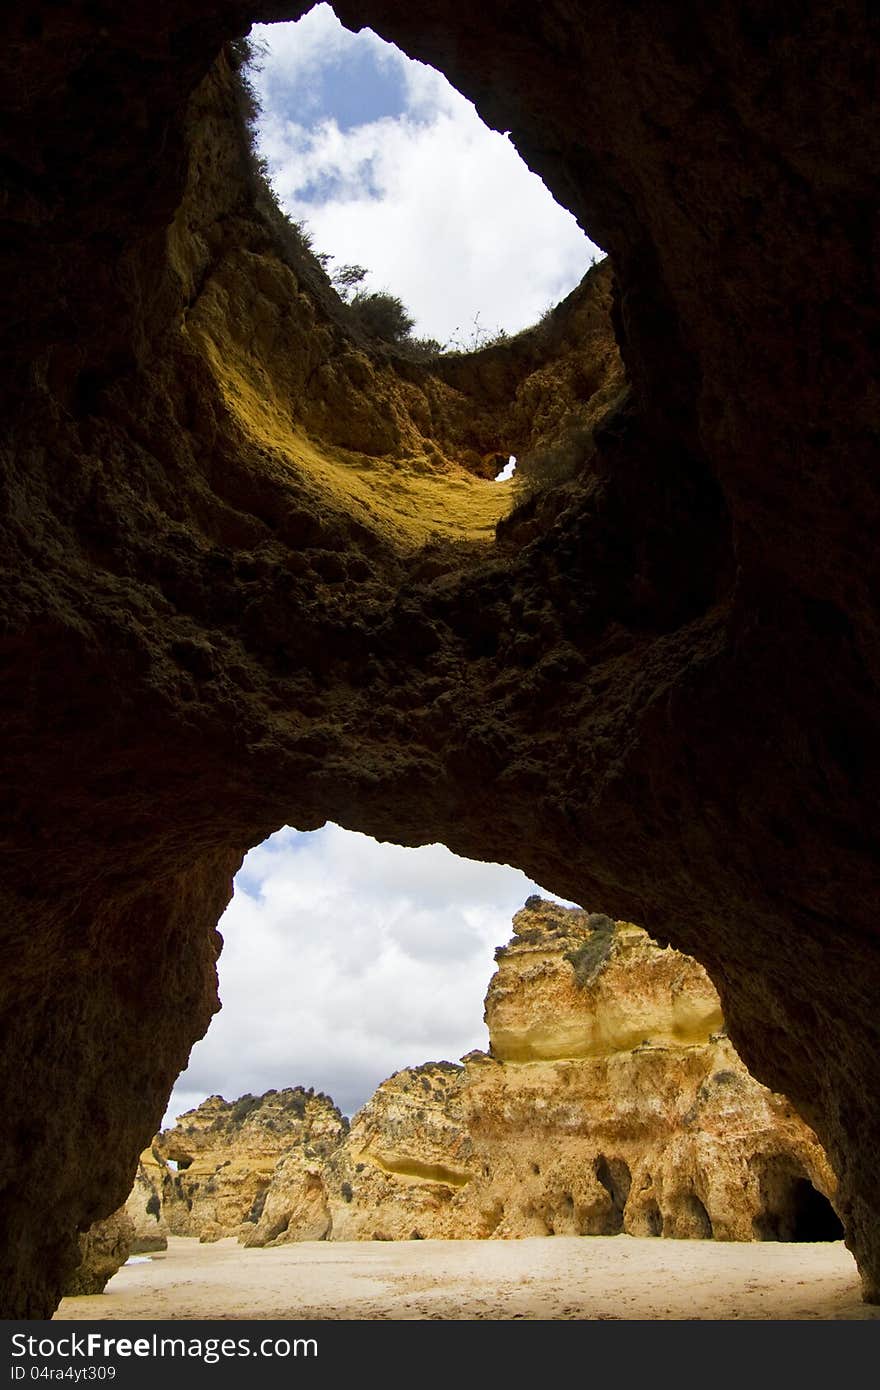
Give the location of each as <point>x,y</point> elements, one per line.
<point>656,691</point>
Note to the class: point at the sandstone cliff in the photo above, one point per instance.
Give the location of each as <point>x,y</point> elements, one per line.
<point>225,1152</point>
<point>611,1100</point>
<point>655,687</point>
<point>407,1161</point>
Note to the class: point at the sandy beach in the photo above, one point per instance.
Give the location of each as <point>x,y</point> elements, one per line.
<point>616,1277</point>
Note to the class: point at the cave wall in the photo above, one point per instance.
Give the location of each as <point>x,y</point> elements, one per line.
<point>251,574</point>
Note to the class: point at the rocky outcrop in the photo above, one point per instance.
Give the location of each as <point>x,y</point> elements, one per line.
<point>219,1158</point>
<point>406,1162</point>
<point>247,582</point>
<point>144,1206</point>
<point>573,985</point>
<point>611,1100</point>
<point>104,1247</point>
<point>294,1204</point>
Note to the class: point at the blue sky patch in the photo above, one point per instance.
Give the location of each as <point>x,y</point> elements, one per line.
<point>362,90</point>
<point>354,88</point>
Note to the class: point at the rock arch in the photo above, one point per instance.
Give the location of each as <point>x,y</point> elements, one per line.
<point>656,691</point>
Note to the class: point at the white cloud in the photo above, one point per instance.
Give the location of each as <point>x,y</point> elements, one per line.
<point>440,209</point>
<point>346,959</point>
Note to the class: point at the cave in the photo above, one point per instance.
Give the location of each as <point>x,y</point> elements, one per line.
<point>814,1218</point>
<point>252,575</point>
<point>792,1208</point>
<point>614,1175</point>
<point>653,1218</point>
<point>698,1218</point>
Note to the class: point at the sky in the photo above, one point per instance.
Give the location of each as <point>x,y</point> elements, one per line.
<point>344,959</point>
<point>392,169</point>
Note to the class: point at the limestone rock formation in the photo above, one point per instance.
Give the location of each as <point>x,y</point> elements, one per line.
<point>251,573</point>
<point>408,1156</point>
<point>573,985</point>
<point>104,1247</point>
<point>144,1206</point>
<point>611,1100</point>
<point>294,1206</point>
<point>225,1153</point>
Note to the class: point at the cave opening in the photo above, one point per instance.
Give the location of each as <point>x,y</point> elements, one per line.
<point>653,1218</point>
<point>346,959</point>
<point>793,1208</point>
<point>614,1175</point>
<point>814,1216</point>
<point>403,190</point>
<point>699,1220</point>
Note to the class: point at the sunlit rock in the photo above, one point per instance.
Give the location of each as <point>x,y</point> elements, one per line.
<point>144,1206</point>
<point>611,1100</point>
<point>220,1158</point>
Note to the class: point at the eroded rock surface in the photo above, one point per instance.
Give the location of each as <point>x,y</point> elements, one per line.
<point>251,572</point>
<point>104,1247</point>
<point>611,1100</point>
<point>225,1153</point>
<point>144,1206</point>
<point>407,1158</point>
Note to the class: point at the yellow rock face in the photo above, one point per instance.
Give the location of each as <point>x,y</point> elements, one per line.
<point>144,1205</point>
<point>224,606</point>
<point>105,1246</point>
<point>408,1161</point>
<point>225,1153</point>
<point>611,1100</point>
<point>566,989</point>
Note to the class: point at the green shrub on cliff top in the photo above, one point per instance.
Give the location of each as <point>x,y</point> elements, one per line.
<point>586,961</point>
<point>382,315</point>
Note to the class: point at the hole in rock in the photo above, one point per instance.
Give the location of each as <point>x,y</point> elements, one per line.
<point>814,1216</point>
<point>793,1209</point>
<point>507,471</point>
<point>345,960</point>
<point>615,1177</point>
<point>392,171</point>
<point>700,1221</point>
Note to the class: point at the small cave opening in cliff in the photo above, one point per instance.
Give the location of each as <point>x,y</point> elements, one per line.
<point>793,1209</point>
<point>615,1176</point>
<point>401,188</point>
<point>699,1220</point>
<point>801,1214</point>
<point>814,1216</point>
<point>653,1218</point>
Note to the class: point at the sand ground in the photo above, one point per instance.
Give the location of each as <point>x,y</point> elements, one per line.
<point>560,1277</point>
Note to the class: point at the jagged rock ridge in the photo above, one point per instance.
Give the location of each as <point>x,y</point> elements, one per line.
<point>225,1153</point>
